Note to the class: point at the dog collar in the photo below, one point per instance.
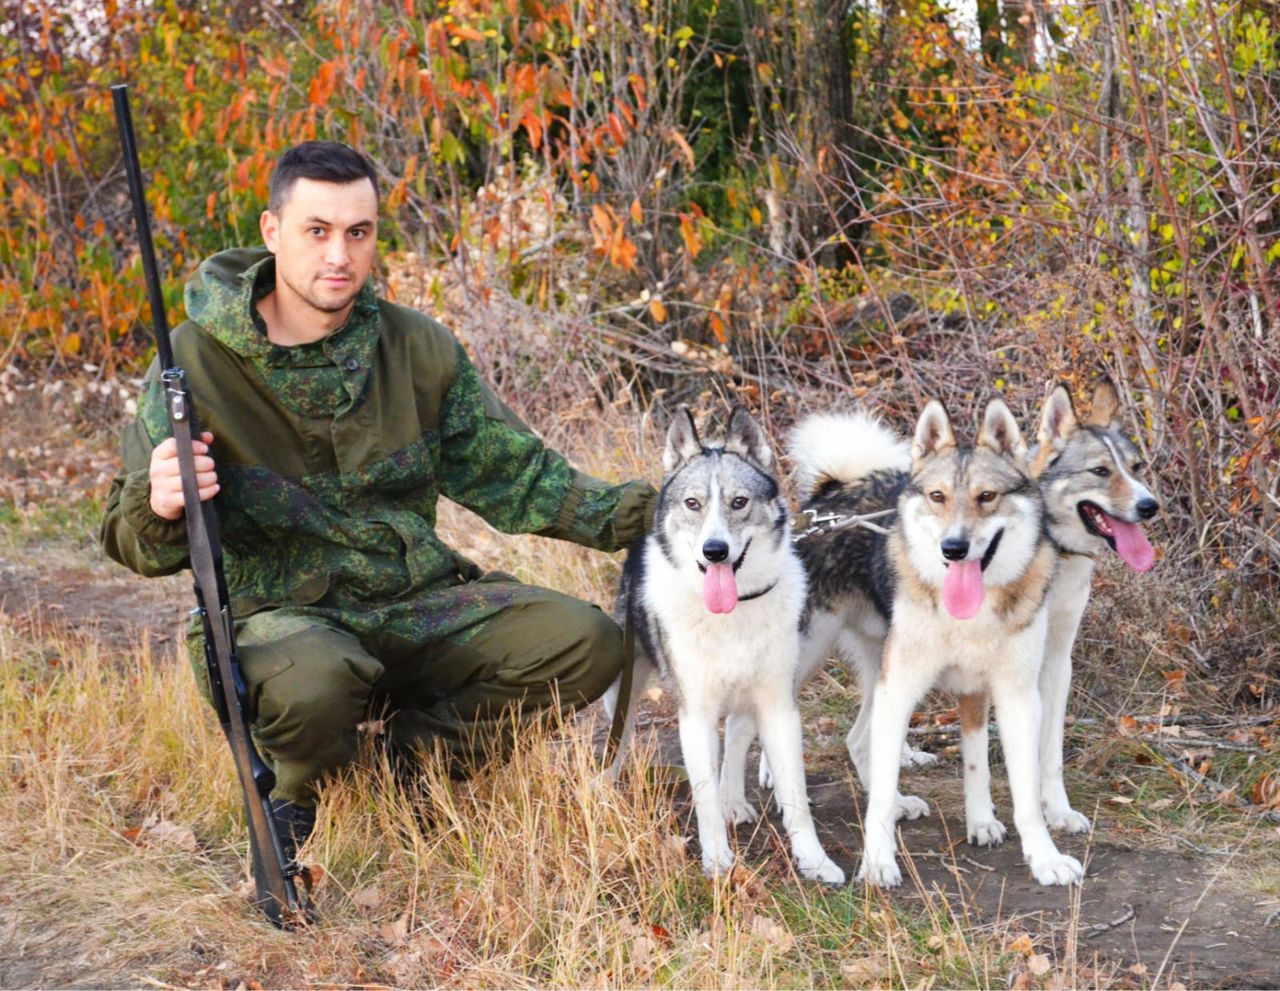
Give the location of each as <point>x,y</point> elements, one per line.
<point>755,595</point>
<point>991,549</point>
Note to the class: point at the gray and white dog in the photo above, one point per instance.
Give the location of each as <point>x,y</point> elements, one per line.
<point>717,597</point>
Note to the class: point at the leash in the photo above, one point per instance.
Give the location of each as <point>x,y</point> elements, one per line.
<point>623,704</point>
<point>811,523</point>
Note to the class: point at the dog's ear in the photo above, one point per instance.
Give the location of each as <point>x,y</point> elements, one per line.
<point>1106,403</point>
<point>682,440</point>
<point>745,439</point>
<point>1058,422</point>
<point>933,432</point>
<point>1000,431</point>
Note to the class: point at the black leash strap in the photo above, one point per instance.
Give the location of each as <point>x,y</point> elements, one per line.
<point>623,704</point>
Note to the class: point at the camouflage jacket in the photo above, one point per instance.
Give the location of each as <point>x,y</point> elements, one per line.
<point>331,457</point>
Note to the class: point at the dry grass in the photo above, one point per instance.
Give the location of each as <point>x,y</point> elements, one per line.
<point>124,865</point>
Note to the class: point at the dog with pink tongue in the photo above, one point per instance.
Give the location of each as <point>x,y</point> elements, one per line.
<point>717,596</point>
<point>972,566</point>
<point>1090,474</point>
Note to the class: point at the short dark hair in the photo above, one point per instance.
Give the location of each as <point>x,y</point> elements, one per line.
<point>323,161</point>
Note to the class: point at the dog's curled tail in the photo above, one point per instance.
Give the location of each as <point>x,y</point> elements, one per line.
<point>844,447</point>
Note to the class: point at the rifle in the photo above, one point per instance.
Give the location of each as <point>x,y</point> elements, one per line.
<point>277,894</point>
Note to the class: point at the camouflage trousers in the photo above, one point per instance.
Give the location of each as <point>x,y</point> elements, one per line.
<point>312,680</point>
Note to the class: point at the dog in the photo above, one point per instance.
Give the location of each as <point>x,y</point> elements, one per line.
<point>1089,473</point>
<point>717,597</point>
<point>956,592</point>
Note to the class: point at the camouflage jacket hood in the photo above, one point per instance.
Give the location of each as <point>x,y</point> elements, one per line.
<point>331,457</point>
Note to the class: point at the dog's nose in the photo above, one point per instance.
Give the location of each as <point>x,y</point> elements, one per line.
<point>955,548</point>
<point>1148,508</point>
<point>715,551</point>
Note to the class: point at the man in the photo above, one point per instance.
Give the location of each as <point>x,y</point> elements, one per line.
<point>334,420</point>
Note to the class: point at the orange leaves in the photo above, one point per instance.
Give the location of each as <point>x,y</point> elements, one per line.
<point>637,90</point>
<point>323,84</point>
<point>677,139</point>
<point>689,233</point>
<point>533,127</point>
<point>610,239</point>
<point>1266,791</point>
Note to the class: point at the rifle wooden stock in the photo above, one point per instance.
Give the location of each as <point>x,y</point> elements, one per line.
<point>277,894</point>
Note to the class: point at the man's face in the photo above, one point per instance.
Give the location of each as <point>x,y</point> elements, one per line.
<point>325,240</point>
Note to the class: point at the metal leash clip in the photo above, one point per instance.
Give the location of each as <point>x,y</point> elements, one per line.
<point>816,523</point>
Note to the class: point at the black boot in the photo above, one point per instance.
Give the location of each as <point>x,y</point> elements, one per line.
<point>294,824</point>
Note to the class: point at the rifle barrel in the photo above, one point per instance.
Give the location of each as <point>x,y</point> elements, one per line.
<point>141,220</point>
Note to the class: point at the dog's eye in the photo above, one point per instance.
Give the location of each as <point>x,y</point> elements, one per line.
<point>937,496</point>
<point>693,504</point>
<point>1102,471</point>
<point>986,497</point>
<point>739,502</point>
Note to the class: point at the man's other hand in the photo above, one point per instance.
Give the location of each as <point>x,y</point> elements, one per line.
<point>166,481</point>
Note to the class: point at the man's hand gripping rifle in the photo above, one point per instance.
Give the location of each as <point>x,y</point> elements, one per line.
<point>277,894</point>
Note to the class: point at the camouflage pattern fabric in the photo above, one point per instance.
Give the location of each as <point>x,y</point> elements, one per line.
<point>332,455</point>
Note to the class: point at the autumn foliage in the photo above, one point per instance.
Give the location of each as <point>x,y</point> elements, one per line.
<point>878,196</point>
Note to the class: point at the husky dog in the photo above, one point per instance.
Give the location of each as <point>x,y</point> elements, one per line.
<point>1094,499</point>
<point>717,596</point>
<point>956,592</point>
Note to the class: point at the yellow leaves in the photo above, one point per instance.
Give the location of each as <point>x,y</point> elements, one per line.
<point>657,310</point>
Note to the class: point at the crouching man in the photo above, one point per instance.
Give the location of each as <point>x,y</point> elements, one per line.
<point>334,421</point>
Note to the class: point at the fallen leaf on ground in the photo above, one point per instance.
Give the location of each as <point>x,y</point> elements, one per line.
<point>773,932</point>
<point>746,884</point>
<point>643,949</point>
<point>1022,945</point>
<point>162,832</point>
<point>862,971</point>
<point>1038,965</point>
<point>394,932</point>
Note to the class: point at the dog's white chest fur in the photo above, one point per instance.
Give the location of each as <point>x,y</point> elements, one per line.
<point>722,661</point>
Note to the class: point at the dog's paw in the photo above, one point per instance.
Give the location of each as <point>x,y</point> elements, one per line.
<point>989,832</point>
<point>1068,820</point>
<point>738,810</point>
<point>909,807</point>
<point>880,874</point>
<point>1056,868</point>
<point>911,757</point>
<point>716,866</point>
<point>828,871</point>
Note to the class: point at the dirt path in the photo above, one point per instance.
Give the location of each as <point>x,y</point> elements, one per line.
<point>62,588</point>
<point>1163,914</point>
